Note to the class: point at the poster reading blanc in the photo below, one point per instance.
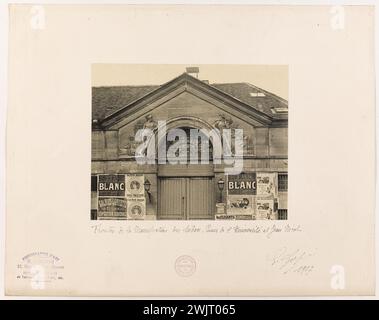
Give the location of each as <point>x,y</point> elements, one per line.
<point>241,190</point>
<point>111,185</point>
<point>121,196</point>
<point>111,202</point>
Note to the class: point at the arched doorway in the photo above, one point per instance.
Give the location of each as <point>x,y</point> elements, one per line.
<point>186,191</point>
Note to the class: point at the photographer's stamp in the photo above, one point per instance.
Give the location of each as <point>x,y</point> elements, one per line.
<point>40,269</point>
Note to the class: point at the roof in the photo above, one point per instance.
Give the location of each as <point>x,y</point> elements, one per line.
<point>108,100</point>
<point>243,92</point>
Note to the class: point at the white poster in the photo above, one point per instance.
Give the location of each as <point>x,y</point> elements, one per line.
<point>267,184</point>
<point>265,209</point>
<point>134,186</point>
<point>136,209</point>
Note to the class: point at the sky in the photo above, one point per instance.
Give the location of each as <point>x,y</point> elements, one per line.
<point>273,78</point>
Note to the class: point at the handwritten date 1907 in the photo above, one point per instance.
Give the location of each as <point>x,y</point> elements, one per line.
<point>294,261</point>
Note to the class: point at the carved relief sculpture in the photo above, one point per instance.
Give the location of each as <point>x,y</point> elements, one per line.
<point>129,149</point>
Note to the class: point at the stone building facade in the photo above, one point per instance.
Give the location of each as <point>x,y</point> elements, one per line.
<point>124,189</point>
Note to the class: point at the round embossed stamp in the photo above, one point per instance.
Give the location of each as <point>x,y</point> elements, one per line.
<point>185,266</point>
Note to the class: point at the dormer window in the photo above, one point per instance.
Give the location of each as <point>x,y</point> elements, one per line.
<point>257,94</point>
<point>279,110</point>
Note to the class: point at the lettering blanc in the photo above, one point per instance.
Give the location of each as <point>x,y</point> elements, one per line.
<point>243,185</point>
<point>114,186</point>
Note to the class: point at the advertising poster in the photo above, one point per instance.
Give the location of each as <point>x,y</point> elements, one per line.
<point>136,209</point>
<point>224,217</point>
<point>241,191</point>
<point>267,185</point>
<point>135,194</point>
<point>241,204</point>
<point>134,186</point>
<point>112,207</point>
<point>111,185</point>
<point>243,183</point>
<point>265,209</point>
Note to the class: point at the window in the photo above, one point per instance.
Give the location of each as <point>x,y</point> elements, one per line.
<point>257,94</point>
<point>279,110</point>
<point>282,181</point>
<point>282,214</point>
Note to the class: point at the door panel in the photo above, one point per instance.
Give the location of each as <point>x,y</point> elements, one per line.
<point>186,198</point>
<point>172,198</point>
<point>201,200</point>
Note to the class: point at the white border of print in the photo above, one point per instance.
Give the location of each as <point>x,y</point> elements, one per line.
<point>3,103</point>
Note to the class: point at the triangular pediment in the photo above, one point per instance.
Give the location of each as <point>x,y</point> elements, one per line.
<point>188,91</point>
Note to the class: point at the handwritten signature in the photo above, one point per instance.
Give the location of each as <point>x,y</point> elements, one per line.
<point>292,261</point>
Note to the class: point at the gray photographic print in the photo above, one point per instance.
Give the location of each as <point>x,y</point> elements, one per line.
<point>177,142</point>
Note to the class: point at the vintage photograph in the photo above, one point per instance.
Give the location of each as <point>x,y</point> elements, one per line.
<point>192,145</point>
<point>190,151</point>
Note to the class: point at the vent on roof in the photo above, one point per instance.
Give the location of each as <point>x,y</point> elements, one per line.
<point>279,110</point>
<point>257,94</point>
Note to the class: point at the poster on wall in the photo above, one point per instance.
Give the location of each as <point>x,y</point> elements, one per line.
<point>136,209</point>
<point>134,186</point>
<point>111,185</point>
<point>241,204</point>
<point>265,209</point>
<point>243,183</point>
<point>267,196</point>
<point>267,185</point>
<point>135,194</point>
<point>112,207</point>
<point>241,190</point>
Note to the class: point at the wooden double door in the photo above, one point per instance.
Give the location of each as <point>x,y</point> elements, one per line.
<point>184,198</point>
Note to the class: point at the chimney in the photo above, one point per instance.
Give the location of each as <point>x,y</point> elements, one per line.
<point>193,70</point>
